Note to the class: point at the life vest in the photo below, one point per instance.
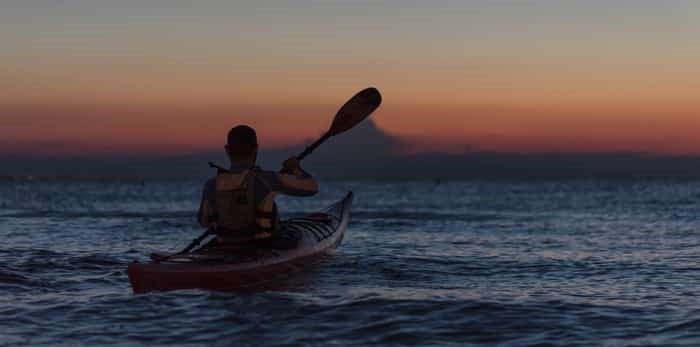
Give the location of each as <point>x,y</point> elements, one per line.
<point>236,215</point>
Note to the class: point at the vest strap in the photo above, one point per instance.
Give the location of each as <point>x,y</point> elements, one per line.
<point>218,168</point>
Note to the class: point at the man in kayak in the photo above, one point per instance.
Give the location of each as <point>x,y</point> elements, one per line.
<point>238,204</point>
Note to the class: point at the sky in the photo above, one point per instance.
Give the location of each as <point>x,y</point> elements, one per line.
<point>96,77</point>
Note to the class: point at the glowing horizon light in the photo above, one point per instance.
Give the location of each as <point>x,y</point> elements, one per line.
<point>164,77</point>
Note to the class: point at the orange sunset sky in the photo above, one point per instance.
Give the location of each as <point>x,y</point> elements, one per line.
<point>85,77</point>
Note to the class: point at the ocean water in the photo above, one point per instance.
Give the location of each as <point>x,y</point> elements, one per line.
<point>507,263</point>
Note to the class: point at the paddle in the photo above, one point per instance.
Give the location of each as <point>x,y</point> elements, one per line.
<point>350,114</point>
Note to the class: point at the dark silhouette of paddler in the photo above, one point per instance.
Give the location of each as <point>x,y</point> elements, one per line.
<point>238,204</point>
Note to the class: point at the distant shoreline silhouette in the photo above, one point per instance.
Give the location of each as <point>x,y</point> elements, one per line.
<point>367,152</point>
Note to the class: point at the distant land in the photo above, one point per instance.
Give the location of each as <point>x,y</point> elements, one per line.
<point>365,153</point>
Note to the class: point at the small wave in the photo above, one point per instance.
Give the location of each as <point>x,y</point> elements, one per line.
<point>8,276</point>
<point>426,216</point>
<point>688,325</point>
<point>32,261</point>
<point>93,261</point>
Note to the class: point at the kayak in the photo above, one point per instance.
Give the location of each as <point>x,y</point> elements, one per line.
<point>318,234</point>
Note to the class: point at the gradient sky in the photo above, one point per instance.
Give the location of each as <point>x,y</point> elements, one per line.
<point>165,76</point>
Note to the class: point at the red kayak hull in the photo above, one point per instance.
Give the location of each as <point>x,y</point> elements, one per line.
<point>318,236</point>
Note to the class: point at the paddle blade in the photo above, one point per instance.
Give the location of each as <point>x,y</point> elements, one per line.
<point>355,110</point>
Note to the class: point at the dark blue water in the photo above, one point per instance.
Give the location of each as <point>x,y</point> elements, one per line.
<point>559,263</point>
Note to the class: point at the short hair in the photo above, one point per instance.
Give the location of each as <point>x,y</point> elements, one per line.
<point>241,140</point>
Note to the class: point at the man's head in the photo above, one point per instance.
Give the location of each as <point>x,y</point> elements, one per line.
<point>242,143</point>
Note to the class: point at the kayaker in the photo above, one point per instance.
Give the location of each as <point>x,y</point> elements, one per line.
<point>238,204</point>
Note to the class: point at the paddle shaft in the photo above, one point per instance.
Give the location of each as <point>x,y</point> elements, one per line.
<point>314,145</point>
<point>192,245</point>
<point>196,241</point>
